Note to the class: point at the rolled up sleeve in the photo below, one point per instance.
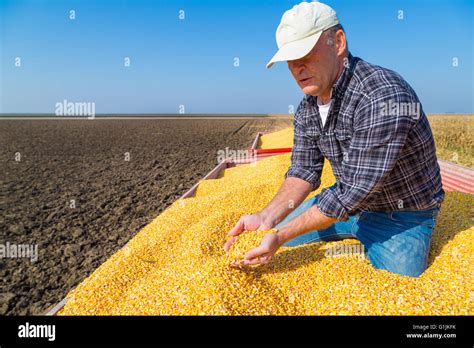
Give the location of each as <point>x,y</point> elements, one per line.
<point>307,160</point>
<point>380,133</point>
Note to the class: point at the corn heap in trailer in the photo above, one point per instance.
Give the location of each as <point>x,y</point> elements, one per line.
<point>176,265</point>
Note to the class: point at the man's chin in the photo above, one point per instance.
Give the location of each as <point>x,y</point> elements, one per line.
<point>311,90</point>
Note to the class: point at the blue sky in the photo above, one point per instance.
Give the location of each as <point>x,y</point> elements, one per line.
<point>190,62</point>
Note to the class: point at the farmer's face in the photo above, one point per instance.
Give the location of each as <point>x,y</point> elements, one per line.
<point>316,72</point>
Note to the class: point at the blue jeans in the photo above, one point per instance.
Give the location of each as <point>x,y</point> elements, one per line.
<point>396,241</point>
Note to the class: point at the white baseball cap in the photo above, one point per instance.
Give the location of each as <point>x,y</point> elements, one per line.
<point>300,29</point>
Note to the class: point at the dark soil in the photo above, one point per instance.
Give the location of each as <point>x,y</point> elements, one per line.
<point>74,194</point>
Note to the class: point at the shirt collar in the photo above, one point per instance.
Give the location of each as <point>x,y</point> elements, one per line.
<point>342,82</point>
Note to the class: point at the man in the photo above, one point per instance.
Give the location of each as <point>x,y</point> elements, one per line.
<point>368,122</point>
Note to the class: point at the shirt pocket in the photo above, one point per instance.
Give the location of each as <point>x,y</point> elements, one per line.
<point>329,147</point>
<point>313,132</point>
<point>343,138</point>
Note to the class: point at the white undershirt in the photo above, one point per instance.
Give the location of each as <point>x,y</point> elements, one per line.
<point>323,110</point>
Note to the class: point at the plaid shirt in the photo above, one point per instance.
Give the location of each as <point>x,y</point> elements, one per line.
<point>378,141</point>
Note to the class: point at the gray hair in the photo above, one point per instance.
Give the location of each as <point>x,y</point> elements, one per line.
<point>331,35</point>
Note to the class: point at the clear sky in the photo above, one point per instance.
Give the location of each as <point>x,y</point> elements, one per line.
<point>191,61</point>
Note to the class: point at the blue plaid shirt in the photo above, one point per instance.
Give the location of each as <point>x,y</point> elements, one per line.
<point>377,139</point>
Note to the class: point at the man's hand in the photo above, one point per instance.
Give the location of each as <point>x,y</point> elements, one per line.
<point>293,190</point>
<point>269,245</point>
<point>310,220</point>
<point>251,222</point>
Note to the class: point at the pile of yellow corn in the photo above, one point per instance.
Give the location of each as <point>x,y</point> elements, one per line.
<point>177,265</point>
<point>282,138</point>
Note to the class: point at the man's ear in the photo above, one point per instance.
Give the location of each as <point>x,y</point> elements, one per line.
<point>341,42</point>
